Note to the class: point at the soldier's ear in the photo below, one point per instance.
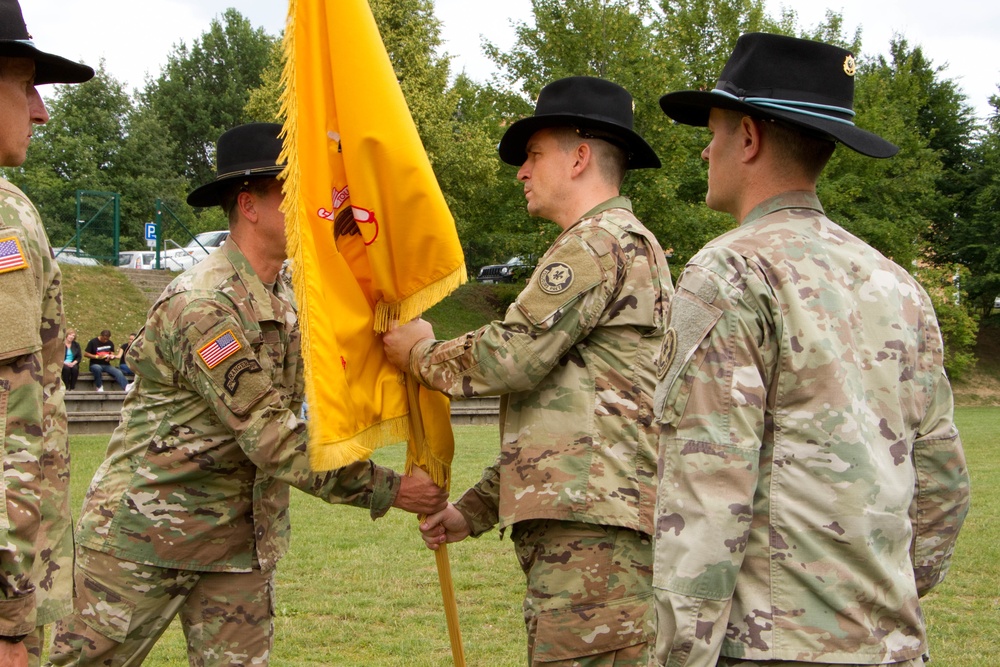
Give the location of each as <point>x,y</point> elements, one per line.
<point>246,202</point>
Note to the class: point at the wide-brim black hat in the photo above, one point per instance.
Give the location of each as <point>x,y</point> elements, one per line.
<point>804,83</point>
<point>243,152</point>
<point>586,103</point>
<point>15,42</point>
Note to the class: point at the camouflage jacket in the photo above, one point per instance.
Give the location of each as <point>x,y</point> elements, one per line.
<point>573,361</point>
<point>813,482</point>
<point>36,536</point>
<point>197,473</point>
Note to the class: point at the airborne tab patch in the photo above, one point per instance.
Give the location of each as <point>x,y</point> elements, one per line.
<point>219,349</point>
<point>11,255</point>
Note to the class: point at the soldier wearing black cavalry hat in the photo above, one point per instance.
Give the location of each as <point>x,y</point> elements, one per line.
<point>188,514</point>
<point>573,361</point>
<point>813,482</point>
<point>36,532</point>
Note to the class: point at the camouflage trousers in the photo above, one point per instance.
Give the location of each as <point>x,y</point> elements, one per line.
<point>121,608</point>
<point>589,596</point>
<point>739,662</point>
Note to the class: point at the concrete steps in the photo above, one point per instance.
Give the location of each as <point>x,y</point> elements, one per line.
<point>92,412</point>
<point>150,282</point>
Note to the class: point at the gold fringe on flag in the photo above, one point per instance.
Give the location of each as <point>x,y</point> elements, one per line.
<point>370,236</point>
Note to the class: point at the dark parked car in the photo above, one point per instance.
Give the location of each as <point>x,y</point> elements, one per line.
<point>513,270</point>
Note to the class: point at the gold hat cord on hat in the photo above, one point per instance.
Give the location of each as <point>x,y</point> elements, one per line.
<point>793,106</point>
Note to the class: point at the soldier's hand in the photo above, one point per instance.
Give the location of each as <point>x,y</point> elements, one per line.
<point>400,340</point>
<point>448,525</point>
<point>418,494</point>
<point>13,655</point>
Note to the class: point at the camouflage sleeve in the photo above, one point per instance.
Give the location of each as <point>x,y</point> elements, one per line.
<point>709,448</point>
<point>561,304</point>
<point>22,284</point>
<point>480,505</point>
<point>941,497</point>
<point>243,398</point>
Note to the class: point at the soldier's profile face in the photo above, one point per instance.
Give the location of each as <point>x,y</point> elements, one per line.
<point>21,107</point>
<point>544,174</point>
<point>722,157</point>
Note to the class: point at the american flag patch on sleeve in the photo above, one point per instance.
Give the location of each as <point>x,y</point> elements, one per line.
<point>221,348</point>
<point>11,255</point>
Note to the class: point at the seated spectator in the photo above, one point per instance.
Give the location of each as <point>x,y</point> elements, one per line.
<point>101,351</point>
<point>122,364</point>
<point>71,363</point>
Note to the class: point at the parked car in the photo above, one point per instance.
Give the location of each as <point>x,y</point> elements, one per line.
<point>146,259</point>
<point>193,253</point>
<point>137,259</point>
<point>515,269</point>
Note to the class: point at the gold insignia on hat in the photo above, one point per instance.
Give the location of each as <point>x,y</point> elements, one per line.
<point>850,65</point>
<point>555,278</point>
<point>667,352</point>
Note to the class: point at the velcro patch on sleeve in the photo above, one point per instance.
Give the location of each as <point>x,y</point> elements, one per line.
<point>19,301</point>
<point>229,363</point>
<point>567,272</point>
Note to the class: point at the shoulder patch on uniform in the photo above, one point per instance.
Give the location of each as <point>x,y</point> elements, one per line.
<point>219,349</point>
<point>233,373</point>
<point>555,278</point>
<point>667,352</point>
<point>12,255</point>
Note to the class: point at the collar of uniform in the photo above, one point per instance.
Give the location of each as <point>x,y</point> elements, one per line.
<point>260,297</point>
<point>614,202</point>
<point>791,199</point>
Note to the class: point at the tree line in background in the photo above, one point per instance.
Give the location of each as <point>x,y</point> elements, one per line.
<point>935,207</point>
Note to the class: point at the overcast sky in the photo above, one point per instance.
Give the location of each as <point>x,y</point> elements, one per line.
<point>135,36</point>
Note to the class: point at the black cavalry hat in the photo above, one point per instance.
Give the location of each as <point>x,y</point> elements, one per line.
<point>804,83</point>
<point>242,152</point>
<point>585,103</point>
<point>15,42</point>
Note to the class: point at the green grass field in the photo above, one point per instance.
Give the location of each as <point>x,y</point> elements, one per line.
<point>357,593</point>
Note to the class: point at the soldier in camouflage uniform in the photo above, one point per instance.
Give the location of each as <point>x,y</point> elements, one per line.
<point>188,513</point>
<point>573,362</point>
<point>813,482</point>
<point>36,539</point>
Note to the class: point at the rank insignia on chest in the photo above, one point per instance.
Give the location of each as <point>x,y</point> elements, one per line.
<point>219,349</point>
<point>555,278</point>
<point>11,255</point>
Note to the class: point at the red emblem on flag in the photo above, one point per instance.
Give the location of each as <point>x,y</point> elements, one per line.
<point>11,255</point>
<point>221,348</point>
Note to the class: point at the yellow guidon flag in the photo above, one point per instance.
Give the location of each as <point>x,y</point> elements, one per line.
<point>370,236</point>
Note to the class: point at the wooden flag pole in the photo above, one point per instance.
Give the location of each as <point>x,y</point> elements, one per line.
<point>450,606</point>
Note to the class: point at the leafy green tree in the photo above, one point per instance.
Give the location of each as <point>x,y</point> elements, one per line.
<point>203,90</point>
<point>975,243</point>
<point>76,150</point>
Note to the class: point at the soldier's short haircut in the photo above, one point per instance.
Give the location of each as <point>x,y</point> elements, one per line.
<point>227,199</point>
<point>611,159</point>
<point>806,151</point>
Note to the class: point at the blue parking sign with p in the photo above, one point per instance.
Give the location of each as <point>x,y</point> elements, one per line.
<point>150,231</point>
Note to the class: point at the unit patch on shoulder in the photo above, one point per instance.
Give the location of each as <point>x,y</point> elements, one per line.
<point>555,278</point>
<point>233,373</point>
<point>219,349</point>
<point>11,255</point>
<point>667,351</point>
